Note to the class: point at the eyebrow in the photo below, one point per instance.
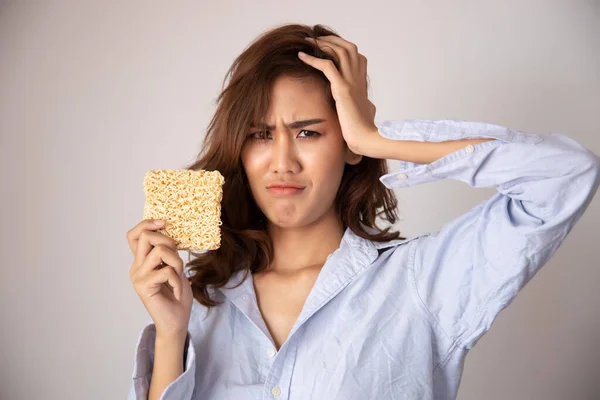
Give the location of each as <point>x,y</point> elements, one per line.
<point>291,125</point>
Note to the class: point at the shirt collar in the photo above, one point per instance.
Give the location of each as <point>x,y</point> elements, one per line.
<point>358,246</point>
<point>354,254</point>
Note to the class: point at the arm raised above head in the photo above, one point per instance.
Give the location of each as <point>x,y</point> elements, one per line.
<point>470,270</point>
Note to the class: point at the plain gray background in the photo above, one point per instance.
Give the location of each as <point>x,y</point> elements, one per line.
<point>94,94</point>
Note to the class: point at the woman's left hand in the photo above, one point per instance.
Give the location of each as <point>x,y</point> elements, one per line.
<point>356,113</point>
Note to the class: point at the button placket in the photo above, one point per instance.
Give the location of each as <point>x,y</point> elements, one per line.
<point>279,378</point>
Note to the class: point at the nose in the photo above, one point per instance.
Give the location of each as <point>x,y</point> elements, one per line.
<point>284,155</point>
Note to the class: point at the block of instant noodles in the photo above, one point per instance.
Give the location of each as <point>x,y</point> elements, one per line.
<point>190,202</point>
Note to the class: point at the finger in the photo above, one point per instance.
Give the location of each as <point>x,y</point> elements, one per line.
<point>160,254</point>
<point>149,239</point>
<point>328,68</point>
<point>133,235</point>
<point>346,64</point>
<point>351,47</point>
<point>160,277</point>
<point>362,61</point>
<point>342,46</point>
<point>174,280</point>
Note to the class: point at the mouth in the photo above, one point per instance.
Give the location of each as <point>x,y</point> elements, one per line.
<point>284,191</point>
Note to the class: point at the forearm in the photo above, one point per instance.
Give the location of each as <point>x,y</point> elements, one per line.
<point>168,364</point>
<point>416,151</point>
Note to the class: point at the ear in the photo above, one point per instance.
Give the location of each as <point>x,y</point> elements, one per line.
<point>351,157</point>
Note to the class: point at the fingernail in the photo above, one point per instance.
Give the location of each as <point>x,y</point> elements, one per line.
<point>301,54</point>
<point>158,222</point>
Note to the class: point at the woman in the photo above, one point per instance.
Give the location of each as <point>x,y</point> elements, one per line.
<point>314,301</point>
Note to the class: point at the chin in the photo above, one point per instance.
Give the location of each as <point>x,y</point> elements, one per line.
<point>286,223</point>
<point>282,220</point>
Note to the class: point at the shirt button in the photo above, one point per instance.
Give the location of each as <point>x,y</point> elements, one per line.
<point>401,176</point>
<point>470,148</point>
<point>275,391</point>
<point>271,352</point>
<point>245,297</point>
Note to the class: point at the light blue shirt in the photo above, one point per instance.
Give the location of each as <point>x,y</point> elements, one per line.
<point>395,320</point>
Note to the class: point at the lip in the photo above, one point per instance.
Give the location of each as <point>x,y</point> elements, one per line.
<point>281,184</point>
<point>285,191</point>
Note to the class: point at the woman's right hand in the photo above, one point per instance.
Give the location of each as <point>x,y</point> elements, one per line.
<point>169,306</point>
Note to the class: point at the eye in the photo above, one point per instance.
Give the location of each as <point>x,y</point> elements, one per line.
<point>260,135</point>
<point>312,133</point>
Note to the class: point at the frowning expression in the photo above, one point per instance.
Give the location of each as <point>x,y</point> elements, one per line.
<point>299,143</point>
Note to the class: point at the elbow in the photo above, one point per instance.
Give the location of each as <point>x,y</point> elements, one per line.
<point>595,159</point>
<point>592,169</point>
<point>579,164</point>
<point>587,176</point>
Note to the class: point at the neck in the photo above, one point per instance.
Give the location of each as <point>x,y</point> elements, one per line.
<point>308,246</point>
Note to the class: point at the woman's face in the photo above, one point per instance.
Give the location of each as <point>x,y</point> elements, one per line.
<point>312,155</point>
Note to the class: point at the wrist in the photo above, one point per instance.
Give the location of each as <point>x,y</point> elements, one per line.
<point>373,145</point>
<point>171,339</point>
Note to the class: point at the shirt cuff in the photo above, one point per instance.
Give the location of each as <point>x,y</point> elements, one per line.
<point>180,388</point>
<point>410,174</point>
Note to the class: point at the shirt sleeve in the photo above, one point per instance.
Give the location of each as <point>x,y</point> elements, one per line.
<point>180,388</point>
<point>470,270</point>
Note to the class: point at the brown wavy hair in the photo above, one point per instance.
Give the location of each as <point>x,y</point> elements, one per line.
<point>245,97</point>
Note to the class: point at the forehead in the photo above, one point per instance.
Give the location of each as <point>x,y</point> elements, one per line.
<point>293,98</point>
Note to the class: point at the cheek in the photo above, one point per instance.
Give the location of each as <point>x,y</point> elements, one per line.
<point>252,164</point>
<point>327,166</point>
